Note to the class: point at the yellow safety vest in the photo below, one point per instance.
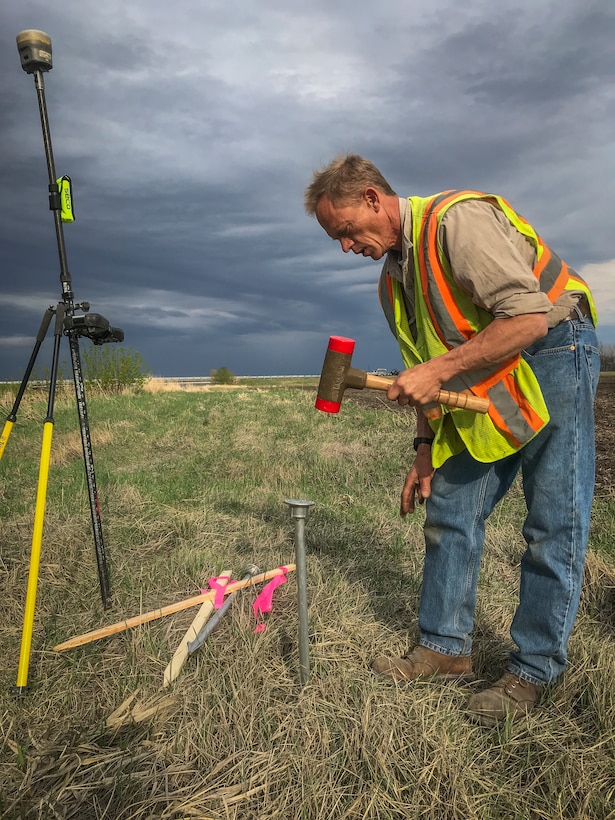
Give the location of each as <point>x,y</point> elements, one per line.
<point>446,317</point>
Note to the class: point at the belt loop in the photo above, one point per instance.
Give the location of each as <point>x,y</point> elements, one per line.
<point>581,310</point>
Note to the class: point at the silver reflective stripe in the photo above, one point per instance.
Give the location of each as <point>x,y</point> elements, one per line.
<point>550,272</point>
<point>501,399</point>
<point>508,408</point>
<point>463,381</point>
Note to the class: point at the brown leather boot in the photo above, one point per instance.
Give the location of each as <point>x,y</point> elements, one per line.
<point>511,697</point>
<point>425,663</point>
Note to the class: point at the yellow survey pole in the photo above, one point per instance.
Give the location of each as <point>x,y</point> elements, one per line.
<point>6,432</point>
<point>35,558</point>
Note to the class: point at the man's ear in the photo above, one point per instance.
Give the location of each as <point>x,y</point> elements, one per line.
<point>372,198</point>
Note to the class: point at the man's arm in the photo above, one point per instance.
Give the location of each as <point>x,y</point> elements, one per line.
<point>499,341</point>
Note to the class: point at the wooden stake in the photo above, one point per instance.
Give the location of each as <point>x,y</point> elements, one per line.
<point>112,629</point>
<point>181,653</point>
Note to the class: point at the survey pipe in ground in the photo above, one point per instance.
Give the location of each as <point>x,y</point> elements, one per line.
<point>299,511</point>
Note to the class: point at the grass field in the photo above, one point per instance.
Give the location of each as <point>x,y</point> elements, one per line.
<point>192,484</point>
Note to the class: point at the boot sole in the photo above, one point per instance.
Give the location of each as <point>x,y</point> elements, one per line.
<point>492,720</point>
<point>484,720</point>
<point>462,677</point>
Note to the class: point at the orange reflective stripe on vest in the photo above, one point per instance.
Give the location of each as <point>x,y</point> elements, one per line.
<point>447,318</point>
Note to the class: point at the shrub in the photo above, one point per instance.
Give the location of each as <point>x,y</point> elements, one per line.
<point>113,368</point>
<point>222,376</point>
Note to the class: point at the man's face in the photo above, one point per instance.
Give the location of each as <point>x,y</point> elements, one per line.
<point>362,228</point>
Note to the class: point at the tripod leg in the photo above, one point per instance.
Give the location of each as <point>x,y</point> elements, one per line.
<point>12,416</point>
<point>39,514</point>
<point>88,457</point>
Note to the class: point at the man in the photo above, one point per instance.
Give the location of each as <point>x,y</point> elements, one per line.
<point>478,302</point>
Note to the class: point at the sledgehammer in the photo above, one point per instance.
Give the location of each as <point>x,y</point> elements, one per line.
<point>337,375</point>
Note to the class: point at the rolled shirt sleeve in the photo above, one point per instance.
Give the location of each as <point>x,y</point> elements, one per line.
<point>492,261</point>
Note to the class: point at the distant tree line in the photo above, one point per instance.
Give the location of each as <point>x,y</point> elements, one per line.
<point>607,357</point>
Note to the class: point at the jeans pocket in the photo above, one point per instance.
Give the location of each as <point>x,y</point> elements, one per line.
<point>592,358</point>
<point>559,339</point>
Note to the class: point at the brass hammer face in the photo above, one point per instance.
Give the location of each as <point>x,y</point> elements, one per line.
<point>334,372</point>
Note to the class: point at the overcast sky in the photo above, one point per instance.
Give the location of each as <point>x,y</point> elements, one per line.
<point>191,128</point>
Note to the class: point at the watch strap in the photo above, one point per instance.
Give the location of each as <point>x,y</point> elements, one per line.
<point>421,440</point>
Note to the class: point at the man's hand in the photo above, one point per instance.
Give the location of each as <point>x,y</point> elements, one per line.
<point>418,386</point>
<point>417,486</point>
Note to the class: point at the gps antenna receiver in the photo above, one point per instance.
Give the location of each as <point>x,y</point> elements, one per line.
<point>34,50</point>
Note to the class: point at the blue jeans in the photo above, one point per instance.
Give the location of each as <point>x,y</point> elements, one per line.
<point>558,473</point>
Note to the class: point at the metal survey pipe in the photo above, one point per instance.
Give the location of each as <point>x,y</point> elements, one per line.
<point>298,511</point>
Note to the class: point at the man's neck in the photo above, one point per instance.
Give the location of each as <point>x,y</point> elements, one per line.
<point>391,208</point>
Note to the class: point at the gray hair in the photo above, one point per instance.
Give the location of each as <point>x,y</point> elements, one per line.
<point>343,181</point>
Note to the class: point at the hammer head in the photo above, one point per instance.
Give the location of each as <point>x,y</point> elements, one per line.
<point>337,374</point>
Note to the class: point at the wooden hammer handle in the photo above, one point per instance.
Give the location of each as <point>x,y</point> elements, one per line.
<point>466,401</point>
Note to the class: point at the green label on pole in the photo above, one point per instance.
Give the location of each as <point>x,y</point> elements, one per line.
<point>65,189</point>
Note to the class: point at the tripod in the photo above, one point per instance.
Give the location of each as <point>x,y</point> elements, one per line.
<point>35,51</point>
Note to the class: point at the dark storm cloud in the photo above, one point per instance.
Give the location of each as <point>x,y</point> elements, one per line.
<point>571,60</point>
<point>190,132</point>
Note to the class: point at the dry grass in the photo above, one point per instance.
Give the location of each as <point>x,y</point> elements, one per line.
<point>191,484</point>
<point>172,386</point>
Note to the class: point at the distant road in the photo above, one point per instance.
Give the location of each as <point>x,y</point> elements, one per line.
<point>196,380</point>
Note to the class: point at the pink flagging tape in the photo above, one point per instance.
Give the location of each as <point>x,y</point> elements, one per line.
<point>215,585</point>
<point>264,600</point>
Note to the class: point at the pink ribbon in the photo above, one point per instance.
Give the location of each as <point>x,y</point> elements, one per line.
<point>264,600</point>
<point>214,584</point>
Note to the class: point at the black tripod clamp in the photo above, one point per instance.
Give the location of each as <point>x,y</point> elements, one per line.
<point>94,327</point>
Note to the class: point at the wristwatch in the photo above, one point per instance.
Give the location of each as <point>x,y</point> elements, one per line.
<point>421,440</point>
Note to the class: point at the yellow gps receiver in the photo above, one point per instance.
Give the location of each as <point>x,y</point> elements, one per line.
<point>65,189</point>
